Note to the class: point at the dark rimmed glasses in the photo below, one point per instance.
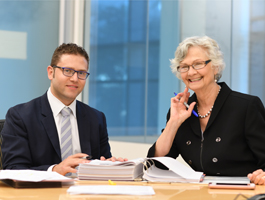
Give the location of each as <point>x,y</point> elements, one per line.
<point>197,65</point>
<point>70,72</point>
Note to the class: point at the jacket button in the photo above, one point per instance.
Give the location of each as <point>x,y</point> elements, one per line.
<point>218,139</point>
<point>190,162</point>
<point>215,160</point>
<point>188,142</point>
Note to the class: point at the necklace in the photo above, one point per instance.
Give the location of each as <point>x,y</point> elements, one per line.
<point>207,114</point>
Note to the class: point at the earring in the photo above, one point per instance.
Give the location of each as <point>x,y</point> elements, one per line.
<point>217,77</point>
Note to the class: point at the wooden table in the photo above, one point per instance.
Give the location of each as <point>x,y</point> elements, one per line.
<point>164,191</point>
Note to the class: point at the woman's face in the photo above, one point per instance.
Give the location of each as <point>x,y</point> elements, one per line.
<point>201,78</point>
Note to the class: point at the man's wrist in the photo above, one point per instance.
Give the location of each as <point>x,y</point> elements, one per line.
<point>50,169</point>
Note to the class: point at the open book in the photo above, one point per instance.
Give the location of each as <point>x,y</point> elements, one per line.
<point>175,172</point>
<point>105,170</point>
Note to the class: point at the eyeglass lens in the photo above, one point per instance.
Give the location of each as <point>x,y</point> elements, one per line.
<point>70,72</point>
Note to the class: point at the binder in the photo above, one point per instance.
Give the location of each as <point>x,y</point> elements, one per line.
<point>174,171</point>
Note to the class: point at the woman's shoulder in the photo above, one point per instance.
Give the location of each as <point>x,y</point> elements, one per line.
<point>245,100</point>
<point>238,95</point>
<point>242,95</point>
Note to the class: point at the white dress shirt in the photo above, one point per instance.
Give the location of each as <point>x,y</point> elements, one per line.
<point>56,107</point>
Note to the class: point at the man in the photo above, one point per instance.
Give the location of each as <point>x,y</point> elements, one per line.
<point>38,135</point>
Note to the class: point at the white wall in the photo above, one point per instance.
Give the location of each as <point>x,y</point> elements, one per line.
<point>129,150</point>
<point>132,150</point>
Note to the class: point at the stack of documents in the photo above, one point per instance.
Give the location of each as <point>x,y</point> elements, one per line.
<point>33,178</point>
<point>105,170</point>
<point>177,172</point>
<point>138,169</point>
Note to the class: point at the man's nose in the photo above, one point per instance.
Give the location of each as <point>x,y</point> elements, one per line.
<point>74,77</point>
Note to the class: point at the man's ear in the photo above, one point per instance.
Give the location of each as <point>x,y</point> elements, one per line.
<point>50,72</point>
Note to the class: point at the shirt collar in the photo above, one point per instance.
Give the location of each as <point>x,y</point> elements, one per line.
<point>57,105</point>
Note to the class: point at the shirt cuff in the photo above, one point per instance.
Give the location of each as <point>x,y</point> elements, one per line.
<point>50,168</point>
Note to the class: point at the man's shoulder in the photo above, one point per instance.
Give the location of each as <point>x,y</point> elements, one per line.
<point>86,108</point>
<point>33,104</point>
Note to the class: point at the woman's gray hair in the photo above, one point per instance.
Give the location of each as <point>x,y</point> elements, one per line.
<point>212,51</point>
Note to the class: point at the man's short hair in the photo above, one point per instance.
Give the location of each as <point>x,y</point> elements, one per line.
<point>69,48</point>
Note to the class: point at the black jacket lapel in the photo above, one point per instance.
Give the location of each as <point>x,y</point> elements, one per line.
<point>193,120</point>
<point>83,128</point>
<point>49,124</point>
<point>220,100</point>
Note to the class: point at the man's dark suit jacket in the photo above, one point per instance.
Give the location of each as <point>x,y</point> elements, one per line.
<point>233,143</point>
<point>30,138</point>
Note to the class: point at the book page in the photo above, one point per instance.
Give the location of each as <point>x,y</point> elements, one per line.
<point>116,163</point>
<point>179,168</point>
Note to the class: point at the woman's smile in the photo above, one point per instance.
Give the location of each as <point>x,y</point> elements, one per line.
<point>195,79</point>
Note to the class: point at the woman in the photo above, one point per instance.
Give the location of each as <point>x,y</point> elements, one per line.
<point>228,136</point>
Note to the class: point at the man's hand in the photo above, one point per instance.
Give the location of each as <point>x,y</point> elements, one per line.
<point>113,159</point>
<point>70,163</point>
<point>257,177</point>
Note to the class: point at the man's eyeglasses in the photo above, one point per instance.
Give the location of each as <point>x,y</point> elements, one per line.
<point>196,65</point>
<point>70,72</point>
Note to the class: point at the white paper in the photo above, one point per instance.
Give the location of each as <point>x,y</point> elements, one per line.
<point>179,168</point>
<point>154,174</point>
<point>177,172</point>
<point>116,163</point>
<point>31,175</point>
<point>111,189</point>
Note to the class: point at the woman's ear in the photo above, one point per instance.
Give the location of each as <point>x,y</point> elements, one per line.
<point>216,74</point>
<point>216,70</point>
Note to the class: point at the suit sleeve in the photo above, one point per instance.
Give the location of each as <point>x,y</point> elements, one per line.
<point>104,139</point>
<point>255,130</point>
<point>15,147</point>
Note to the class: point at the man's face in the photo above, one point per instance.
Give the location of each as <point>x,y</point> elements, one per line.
<point>63,87</point>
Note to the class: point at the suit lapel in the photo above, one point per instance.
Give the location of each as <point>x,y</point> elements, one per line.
<point>193,120</point>
<point>83,123</point>
<point>221,98</point>
<point>49,123</point>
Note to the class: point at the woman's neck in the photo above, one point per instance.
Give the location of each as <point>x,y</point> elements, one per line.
<point>206,97</point>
